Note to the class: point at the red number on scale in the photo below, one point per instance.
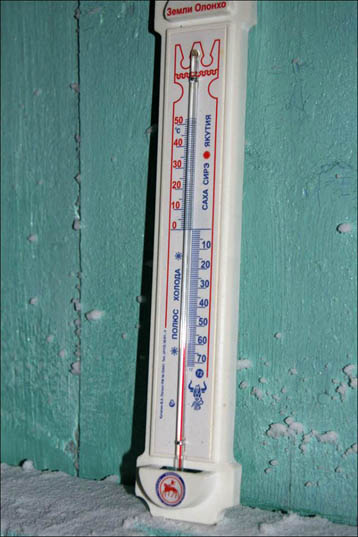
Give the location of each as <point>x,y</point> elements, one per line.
<point>178,120</point>
<point>177,163</point>
<point>174,225</point>
<point>176,204</point>
<point>176,185</point>
<point>178,142</point>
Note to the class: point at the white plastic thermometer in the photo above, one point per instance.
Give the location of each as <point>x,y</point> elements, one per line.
<point>188,471</point>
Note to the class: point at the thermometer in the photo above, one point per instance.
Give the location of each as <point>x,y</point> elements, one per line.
<point>187,471</point>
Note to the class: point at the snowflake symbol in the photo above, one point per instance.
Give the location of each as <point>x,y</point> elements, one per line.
<point>174,351</point>
<point>178,255</point>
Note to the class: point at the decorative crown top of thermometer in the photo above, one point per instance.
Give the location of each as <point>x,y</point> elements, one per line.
<point>204,66</point>
<point>187,471</point>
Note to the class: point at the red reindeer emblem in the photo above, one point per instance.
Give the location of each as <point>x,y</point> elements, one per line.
<point>169,489</point>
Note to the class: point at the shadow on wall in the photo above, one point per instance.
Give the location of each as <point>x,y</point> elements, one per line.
<point>127,467</point>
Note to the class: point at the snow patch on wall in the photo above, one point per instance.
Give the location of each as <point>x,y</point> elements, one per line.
<point>344,228</point>
<point>243,364</point>
<point>94,315</point>
<point>257,393</point>
<point>351,450</point>
<point>349,371</point>
<point>76,368</point>
<point>292,428</point>
<point>32,238</point>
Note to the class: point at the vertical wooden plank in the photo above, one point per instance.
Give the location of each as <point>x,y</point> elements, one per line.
<point>39,247</point>
<point>116,64</point>
<point>298,270</point>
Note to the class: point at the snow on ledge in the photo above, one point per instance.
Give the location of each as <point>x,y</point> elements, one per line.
<point>54,503</point>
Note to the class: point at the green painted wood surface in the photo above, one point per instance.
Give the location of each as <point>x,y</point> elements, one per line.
<point>38,193</point>
<point>297,271</point>
<point>117,53</point>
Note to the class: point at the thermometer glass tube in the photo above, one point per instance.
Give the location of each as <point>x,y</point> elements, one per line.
<point>186,326</point>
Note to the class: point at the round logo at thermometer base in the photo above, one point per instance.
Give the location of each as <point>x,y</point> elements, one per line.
<point>170,489</point>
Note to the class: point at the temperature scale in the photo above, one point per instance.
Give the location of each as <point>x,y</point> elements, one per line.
<point>187,471</point>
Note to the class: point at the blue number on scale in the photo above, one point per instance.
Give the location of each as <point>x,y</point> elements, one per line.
<point>202,340</point>
<point>201,358</point>
<point>204,284</point>
<point>203,321</point>
<point>204,303</point>
<point>205,245</point>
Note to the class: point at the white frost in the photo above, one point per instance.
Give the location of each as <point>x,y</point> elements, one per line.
<point>352,449</point>
<point>152,129</point>
<point>76,224</point>
<point>53,503</point>
<point>94,315</point>
<point>293,524</point>
<point>353,382</point>
<point>306,438</point>
<point>330,437</point>
<point>268,470</point>
<point>76,304</point>
<point>243,364</point>
<point>76,368</point>
<point>32,238</point>
<point>342,388</point>
<point>292,428</point>
<point>28,466</point>
<point>344,228</point>
<point>349,369</point>
<point>257,393</point>
<point>277,429</point>
<point>111,478</point>
<point>75,87</point>
<point>296,428</point>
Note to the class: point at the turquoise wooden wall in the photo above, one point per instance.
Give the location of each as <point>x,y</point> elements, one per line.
<point>79,92</point>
